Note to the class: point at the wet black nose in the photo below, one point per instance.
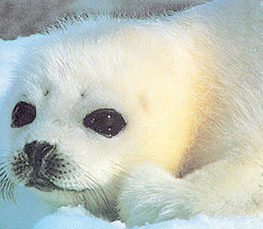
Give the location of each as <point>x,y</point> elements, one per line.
<point>36,151</point>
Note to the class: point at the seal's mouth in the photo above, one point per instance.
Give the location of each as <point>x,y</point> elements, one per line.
<point>42,184</point>
<point>42,166</point>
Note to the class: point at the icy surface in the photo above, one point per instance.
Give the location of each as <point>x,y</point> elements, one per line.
<point>74,218</point>
<point>30,212</point>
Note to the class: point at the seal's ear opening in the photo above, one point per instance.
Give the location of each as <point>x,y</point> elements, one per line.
<point>106,122</point>
<point>23,114</point>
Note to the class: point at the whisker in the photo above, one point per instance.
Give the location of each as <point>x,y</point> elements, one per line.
<point>3,178</point>
<point>1,174</point>
<point>82,183</point>
<point>83,179</point>
<point>9,191</point>
<point>6,185</point>
<point>94,184</point>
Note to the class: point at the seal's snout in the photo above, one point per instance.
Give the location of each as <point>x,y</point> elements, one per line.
<point>36,151</point>
<point>40,165</point>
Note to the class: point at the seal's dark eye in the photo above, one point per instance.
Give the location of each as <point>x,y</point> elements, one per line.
<point>23,114</point>
<point>106,122</point>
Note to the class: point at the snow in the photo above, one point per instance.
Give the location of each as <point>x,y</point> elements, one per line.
<point>31,212</point>
<point>74,218</point>
<point>69,218</point>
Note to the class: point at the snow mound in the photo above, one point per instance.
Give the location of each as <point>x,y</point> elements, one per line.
<point>75,218</point>
<point>78,218</point>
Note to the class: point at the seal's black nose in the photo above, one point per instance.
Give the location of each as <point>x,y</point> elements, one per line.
<point>36,151</point>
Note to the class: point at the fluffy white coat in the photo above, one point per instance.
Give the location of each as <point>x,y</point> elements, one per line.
<point>189,87</point>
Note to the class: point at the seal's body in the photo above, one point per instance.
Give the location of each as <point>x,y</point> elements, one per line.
<point>142,120</point>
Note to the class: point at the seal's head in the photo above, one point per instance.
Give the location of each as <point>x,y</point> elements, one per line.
<point>88,103</point>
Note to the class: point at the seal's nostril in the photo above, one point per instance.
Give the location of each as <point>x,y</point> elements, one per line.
<point>36,151</point>
<point>30,149</point>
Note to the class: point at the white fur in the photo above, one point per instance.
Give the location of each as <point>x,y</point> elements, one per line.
<point>189,87</point>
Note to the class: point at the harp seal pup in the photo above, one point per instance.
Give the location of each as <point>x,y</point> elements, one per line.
<point>142,120</point>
